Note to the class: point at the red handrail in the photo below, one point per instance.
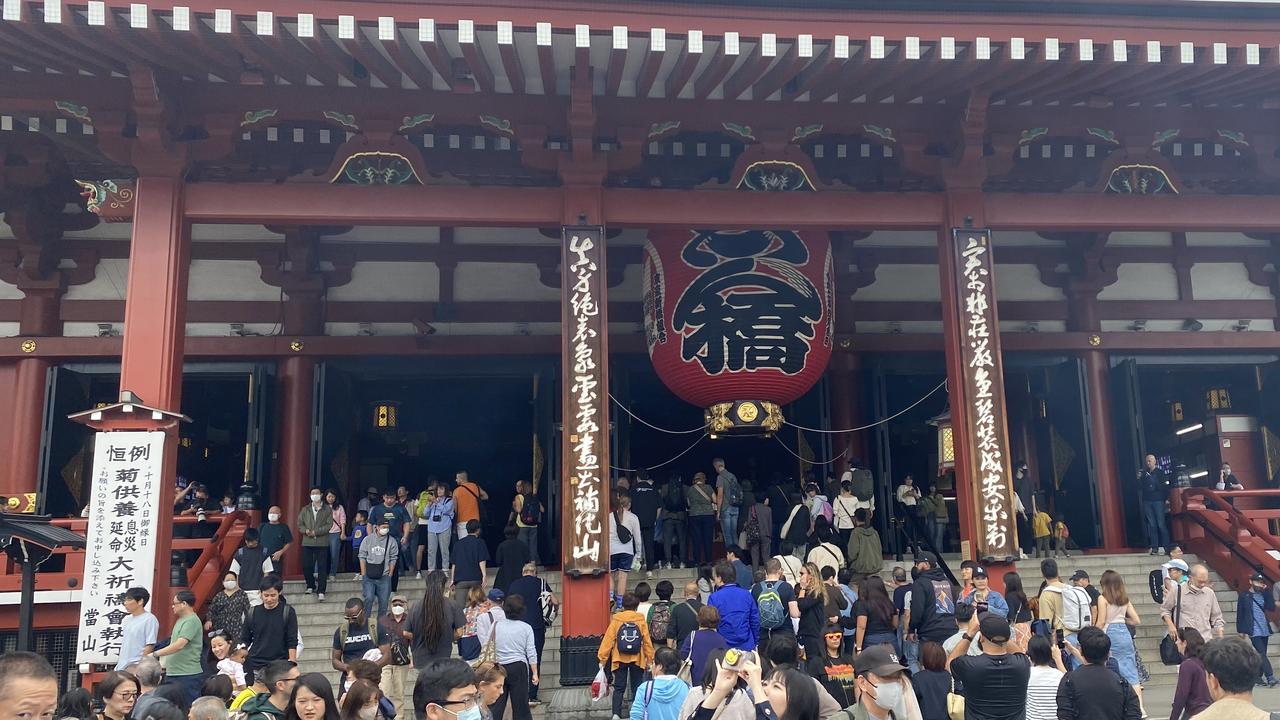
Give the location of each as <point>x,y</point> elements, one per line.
<point>1236,543</point>
<point>219,551</point>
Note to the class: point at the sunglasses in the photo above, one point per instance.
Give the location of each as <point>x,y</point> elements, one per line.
<point>833,636</point>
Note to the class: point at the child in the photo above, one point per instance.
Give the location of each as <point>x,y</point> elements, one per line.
<point>230,661</point>
<point>1061,537</point>
<point>643,590</point>
<point>359,530</point>
<point>1041,526</point>
<point>250,563</point>
<point>228,504</point>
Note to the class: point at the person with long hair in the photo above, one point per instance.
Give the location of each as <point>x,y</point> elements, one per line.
<point>1115,615</point>
<point>1020,615</point>
<point>810,604</point>
<point>478,604</point>
<point>834,668</point>
<point>1191,696</point>
<point>312,699</point>
<point>491,679</point>
<point>877,621</point>
<point>737,706</point>
<point>788,694</point>
<point>77,704</point>
<point>229,660</point>
<point>1047,670</point>
<point>434,623</point>
<point>337,531</point>
<point>623,552</point>
<point>115,694</point>
<point>982,597</point>
<point>361,702</point>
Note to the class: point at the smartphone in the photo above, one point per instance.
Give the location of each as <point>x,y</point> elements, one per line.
<point>1060,639</point>
<point>734,658</point>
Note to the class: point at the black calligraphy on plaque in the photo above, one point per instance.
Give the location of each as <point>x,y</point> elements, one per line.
<point>751,307</point>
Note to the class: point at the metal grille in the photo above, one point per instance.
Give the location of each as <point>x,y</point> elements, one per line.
<point>56,646</point>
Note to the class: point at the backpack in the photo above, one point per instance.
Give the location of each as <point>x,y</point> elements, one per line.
<point>752,528</point>
<point>673,499</point>
<point>624,535</point>
<point>530,510</point>
<point>772,613</point>
<point>864,486</point>
<point>1076,613</point>
<point>733,491</point>
<point>549,609</point>
<point>828,513</point>
<point>628,639</point>
<point>659,620</point>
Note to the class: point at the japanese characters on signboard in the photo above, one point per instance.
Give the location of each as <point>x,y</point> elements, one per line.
<point>120,551</point>
<point>987,436</point>
<point>586,401</point>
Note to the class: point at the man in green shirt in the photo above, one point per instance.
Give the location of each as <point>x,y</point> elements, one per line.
<point>181,657</point>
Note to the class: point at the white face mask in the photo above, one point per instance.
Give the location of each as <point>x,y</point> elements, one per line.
<point>384,531</point>
<point>315,498</point>
<point>230,584</point>
<point>888,695</point>
<point>273,517</point>
<point>397,610</point>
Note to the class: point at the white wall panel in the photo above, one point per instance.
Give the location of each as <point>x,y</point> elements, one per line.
<point>108,283</point>
<point>228,280</point>
<point>10,292</point>
<point>1221,281</point>
<point>390,281</point>
<point>1227,239</point>
<point>1142,281</point>
<point>1146,239</point>
<point>902,282</point>
<point>500,281</point>
<point>8,329</point>
<point>1022,282</point>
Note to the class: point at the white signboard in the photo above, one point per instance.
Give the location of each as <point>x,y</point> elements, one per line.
<point>120,553</point>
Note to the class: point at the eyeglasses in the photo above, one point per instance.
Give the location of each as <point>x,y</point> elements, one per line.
<point>127,696</point>
<point>467,702</point>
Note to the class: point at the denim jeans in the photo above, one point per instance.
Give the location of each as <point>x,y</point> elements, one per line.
<point>379,589</point>
<point>1157,527</point>
<point>529,536</point>
<point>873,639</point>
<point>442,541</point>
<point>911,651</point>
<point>729,525</point>
<point>335,552</point>
<point>1260,644</point>
<point>409,552</point>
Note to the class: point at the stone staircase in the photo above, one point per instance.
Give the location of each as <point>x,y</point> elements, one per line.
<point>318,621</point>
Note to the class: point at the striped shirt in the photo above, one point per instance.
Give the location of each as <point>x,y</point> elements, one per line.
<point>1042,693</point>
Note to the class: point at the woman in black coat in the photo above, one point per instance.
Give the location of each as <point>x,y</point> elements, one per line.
<point>797,533</point>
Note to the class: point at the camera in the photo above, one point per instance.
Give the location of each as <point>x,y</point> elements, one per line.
<point>734,658</point>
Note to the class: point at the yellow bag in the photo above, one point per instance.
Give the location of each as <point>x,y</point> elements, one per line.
<point>955,703</point>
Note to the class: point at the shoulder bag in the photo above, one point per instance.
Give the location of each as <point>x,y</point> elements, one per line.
<point>955,703</point>
<point>489,653</point>
<point>685,672</point>
<point>1169,654</point>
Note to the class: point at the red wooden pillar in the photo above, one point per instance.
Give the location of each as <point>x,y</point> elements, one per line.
<point>30,380</point>
<point>154,331</point>
<point>1097,390</point>
<point>846,409</point>
<point>297,391</point>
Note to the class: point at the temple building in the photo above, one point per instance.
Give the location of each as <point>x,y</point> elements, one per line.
<point>367,244</point>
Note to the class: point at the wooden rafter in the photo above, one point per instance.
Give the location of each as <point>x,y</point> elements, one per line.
<point>680,74</point>
<point>964,71</point>
<point>479,67</point>
<point>212,45</point>
<point>419,72</point>
<point>1239,80</point>
<point>547,69</point>
<point>903,88</point>
<point>76,34</point>
<point>1030,72</point>
<point>64,51</point>
<point>816,74</point>
<point>363,50</point>
<point>31,56</point>
<point>511,66</point>
<point>748,73</point>
<point>287,44</point>
<point>613,78</point>
<point>710,78</point>
<point>649,68</point>
<point>324,49</point>
<point>252,46</point>
<point>783,71</point>
<point>1200,74</point>
<point>853,73</point>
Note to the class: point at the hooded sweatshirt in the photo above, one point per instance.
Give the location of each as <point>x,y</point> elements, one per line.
<point>668,695</point>
<point>259,707</point>
<point>933,606</point>
<point>865,554</point>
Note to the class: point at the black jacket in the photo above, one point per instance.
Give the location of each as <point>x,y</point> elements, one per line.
<point>1244,609</point>
<point>932,592</point>
<point>1153,484</point>
<point>1093,692</point>
<point>270,634</point>
<point>645,502</point>
<point>798,533</point>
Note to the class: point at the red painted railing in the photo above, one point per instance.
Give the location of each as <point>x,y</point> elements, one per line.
<point>1235,542</point>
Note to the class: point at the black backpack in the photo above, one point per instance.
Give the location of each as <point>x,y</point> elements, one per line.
<point>673,499</point>
<point>531,510</point>
<point>629,642</point>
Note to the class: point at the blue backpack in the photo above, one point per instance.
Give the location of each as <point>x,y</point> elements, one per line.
<point>772,612</point>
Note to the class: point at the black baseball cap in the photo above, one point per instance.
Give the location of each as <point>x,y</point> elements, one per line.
<point>979,572</point>
<point>994,628</point>
<point>879,660</point>
<point>925,557</point>
<point>1258,577</point>
<point>1079,575</point>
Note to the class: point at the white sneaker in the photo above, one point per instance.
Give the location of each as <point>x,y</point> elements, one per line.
<point>1161,550</point>
<point>418,576</point>
<point>320,597</point>
<point>310,591</point>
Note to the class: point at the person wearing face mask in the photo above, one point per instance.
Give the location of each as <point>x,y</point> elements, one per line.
<point>314,522</point>
<point>227,609</point>
<point>378,557</point>
<point>995,682</point>
<point>276,537</point>
<point>361,701</point>
<point>446,690</point>
<point>397,674</point>
<point>882,687</point>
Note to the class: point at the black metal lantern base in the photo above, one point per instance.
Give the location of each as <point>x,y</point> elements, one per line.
<point>578,663</point>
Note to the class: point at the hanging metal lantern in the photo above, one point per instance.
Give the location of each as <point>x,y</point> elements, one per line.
<point>739,322</point>
<point>386,415</point>
<point>946,440</point>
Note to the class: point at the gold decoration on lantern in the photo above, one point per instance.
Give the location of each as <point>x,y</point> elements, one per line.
<point>1217,399</point>
<point>946,440</point>
<point>386,415</point>
<point>718,417</point>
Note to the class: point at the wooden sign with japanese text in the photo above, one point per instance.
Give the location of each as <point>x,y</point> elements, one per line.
<point>585,401</point>
<point>120,552</point>
<point>987,436</point>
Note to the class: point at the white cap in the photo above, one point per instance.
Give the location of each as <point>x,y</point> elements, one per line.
<point>1176,564</point>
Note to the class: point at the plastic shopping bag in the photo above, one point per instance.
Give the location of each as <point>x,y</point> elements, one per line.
<point>600,686</point>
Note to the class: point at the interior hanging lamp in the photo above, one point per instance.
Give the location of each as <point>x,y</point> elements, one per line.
<point>386,415</point>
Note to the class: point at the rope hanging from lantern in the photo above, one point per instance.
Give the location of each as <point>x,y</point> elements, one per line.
<point>806,460</point>
<point>681,454</point>
<point>655,427</point>
<point>878,422</point>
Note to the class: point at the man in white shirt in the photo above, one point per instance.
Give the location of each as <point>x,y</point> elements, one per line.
<point>140,628</point>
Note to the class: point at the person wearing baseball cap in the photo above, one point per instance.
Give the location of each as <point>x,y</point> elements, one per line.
<point>1081,580</point>
<point>398,674</point>
<point>880,683</point>
<point>995,682</point>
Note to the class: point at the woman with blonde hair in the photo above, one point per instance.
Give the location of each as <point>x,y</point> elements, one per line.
<point>1115,615</point>
<point>490,679</point>
<point>477,604</point>
<point>811,607</point>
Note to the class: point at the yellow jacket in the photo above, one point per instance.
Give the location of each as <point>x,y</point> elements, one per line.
<point>607,650</point>
<point>1040,524</point>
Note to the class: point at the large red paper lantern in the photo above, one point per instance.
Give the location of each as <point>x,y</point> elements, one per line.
<point>738,315</point>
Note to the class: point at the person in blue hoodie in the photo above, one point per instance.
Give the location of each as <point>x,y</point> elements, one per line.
<point>661,697</point>
<point>739,615</point>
